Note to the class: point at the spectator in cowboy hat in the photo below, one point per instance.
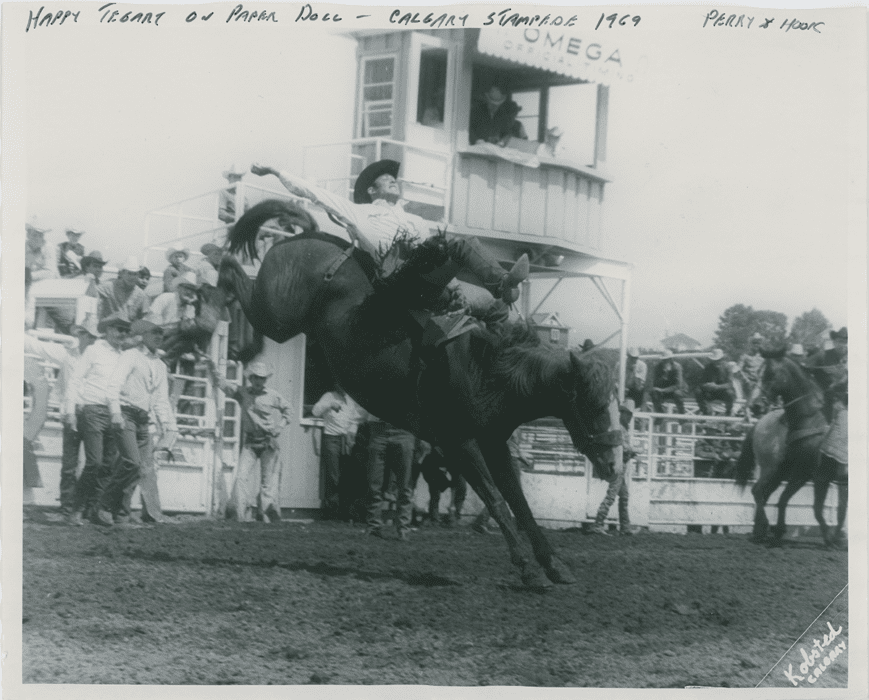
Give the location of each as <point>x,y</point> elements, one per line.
<point>122,296</point>
<point>92,264</point>
<point>170,308</point>
<point>176,257</point>
<point>377,218</point>
<point>226,206</point>
<point>264,415</point>
<point>88,401</point>
<point>636,374</point>
<point>797,353</point>
<point>213,255</point>
<point>716,383</point>
<point>70,252</point>
<point>137,388</point>
<point>39,257</point>
<point>667,384</point>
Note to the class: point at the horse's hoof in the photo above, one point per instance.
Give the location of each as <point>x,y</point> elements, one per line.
<point>557,572</point>
<point>535,580</point>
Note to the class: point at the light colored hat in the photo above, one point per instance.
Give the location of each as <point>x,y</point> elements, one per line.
<point>667,354</point>
<point>797,350</point>
<point>209,248</point>
<point>716,354</point>
<point>36,225</point>
<point>88,325</point>
<point>633,352</point>
<point>113,321</point>
<point>757,336</point>
<point>131,264</point>
<point>75,229</point>
<point>184,251</point>
<point>258,369</point>
<point>188,279</point>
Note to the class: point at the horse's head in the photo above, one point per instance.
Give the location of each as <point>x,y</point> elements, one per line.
<point>783,377</point>
<point>591,415</point>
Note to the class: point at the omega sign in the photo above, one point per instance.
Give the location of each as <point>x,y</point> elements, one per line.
<point>558,50</point>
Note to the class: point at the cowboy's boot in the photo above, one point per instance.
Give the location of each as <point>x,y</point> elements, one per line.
<point>599,527</point>
<point>471,255</point>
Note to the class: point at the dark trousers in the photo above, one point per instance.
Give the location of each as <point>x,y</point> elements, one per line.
<point>100,450</point>
<point>659,396</point>
<point>133,465</point>
<point>331,456</point>
<point>390,451</point>
<point>72,439</point>
<point>704,396</point>
<point>637,395</point>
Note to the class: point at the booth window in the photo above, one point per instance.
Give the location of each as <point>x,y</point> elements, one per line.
<point>378,96</point>
<point>431,98</point>
<point>530,116</point>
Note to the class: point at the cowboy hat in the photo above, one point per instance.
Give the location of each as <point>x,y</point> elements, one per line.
<point>757,336</point>
<point>797,350</point>
<point>75,230</point>
<point>587,345</point>
<point>716,354</point>
<point>633,352</point>
<point>172,251</point>
<point>369,175</point>
<point>88,325</point>
<point>841,334</point>
<point>667,354</point>
<point>94,257</point>
<point>36,225</point>
<point>258,369</point>
<point>131,264</point>
<point>113,321</point>
<point>188,279</point>
<point>142,326</point>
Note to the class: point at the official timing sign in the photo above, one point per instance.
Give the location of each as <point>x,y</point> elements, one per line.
<point>558,49</point>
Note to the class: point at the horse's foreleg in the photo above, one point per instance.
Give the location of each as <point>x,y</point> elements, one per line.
<point>473,467</point>
<point>778,532</point>
<point>507,479</point>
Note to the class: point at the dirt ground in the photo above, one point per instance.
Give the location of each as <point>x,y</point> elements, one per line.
<point>216,602</point>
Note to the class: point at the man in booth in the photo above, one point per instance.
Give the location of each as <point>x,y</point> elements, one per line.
<point>493,118</point>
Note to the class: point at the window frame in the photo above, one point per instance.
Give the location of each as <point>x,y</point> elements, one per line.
<point>361,102</point>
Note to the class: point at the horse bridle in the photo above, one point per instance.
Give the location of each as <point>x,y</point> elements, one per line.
<point>606,438</point>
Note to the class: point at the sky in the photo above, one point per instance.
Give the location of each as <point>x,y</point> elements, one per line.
<point>728,154</point>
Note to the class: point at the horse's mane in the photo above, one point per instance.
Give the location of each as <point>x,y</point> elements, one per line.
<point>524,363</point>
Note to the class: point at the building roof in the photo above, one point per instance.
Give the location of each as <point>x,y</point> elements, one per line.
<point>547,319</point>
<point>680,341</point>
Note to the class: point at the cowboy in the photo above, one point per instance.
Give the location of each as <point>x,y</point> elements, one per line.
<point>797,353</point>
<point>619,483</point>
<point>205,268</point>
<point>70,252</point>
<point>92,266</point>
<point>493,118</point>
<point>341,417</point>
<point>751,371</point>
<point>122,296</point>
<point>716,383</point>
<point>259,433</point>
<point>88,401</point>
<point>171,308</point>
<point>636,373</point>
<point>68,359</point>
<point>377,217</point>
<point>38,256</point>
<point>668,383</point>
<point>137,387</point>
<point>226,205</point>
<point>176,257</point>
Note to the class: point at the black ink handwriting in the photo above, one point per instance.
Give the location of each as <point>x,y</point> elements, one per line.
<point>50,18</point>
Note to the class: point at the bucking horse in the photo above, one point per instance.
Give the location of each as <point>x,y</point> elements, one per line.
<point>466,396</point>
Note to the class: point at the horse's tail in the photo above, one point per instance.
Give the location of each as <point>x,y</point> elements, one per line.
<point>745,465</point>
<point>242,236</point>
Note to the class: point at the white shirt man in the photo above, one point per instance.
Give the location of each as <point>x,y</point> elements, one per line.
<point>170,308</point>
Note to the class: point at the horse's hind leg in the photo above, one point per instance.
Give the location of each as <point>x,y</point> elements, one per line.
<point>778,532</point>
<point>841,510</point>
<point>473,467</point>
<point>507,479</point>
<point>821,488</point>
<point>761,491</point>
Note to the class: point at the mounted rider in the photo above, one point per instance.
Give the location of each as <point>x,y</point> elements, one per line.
<point>377,220</point>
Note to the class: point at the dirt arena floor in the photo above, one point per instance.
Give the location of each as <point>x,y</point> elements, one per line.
<point>216,602</point>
